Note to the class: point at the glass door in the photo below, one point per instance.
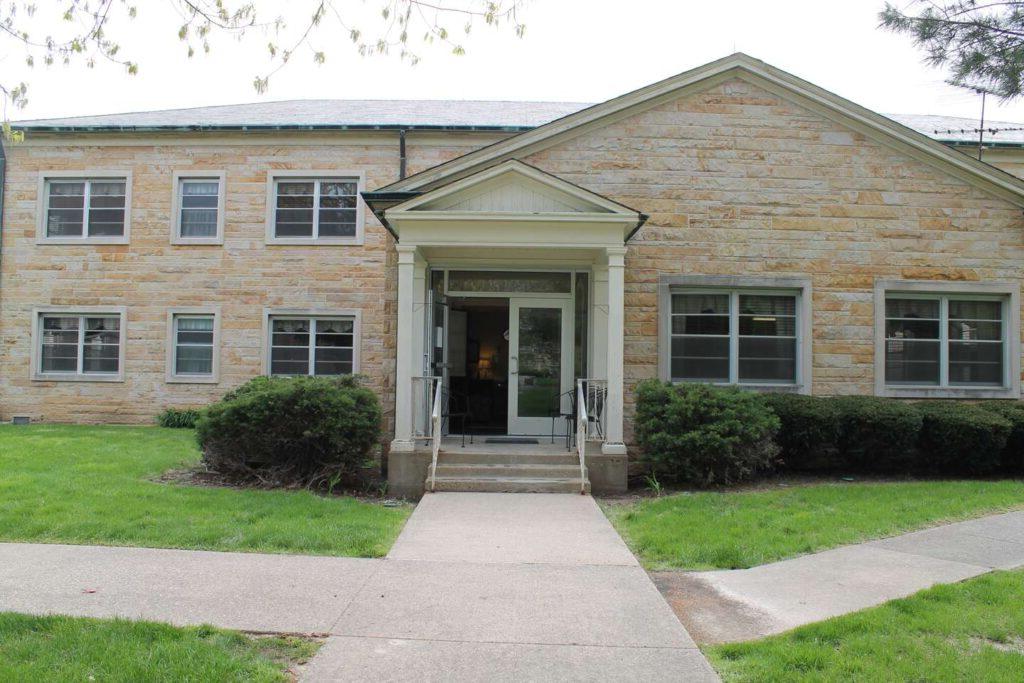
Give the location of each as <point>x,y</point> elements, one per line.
<point>540,364</point>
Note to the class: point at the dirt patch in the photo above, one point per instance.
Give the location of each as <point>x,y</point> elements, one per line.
<point>710,617</point>
<point>1014,645</point>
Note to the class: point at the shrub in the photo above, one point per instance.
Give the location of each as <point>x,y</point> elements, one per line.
<point>809,432</point>
<point>704,434</point>
<point>310,431</point>
<point>962,438</point>
<point>877,434</point>
<point>179,418</point>
<point>1012,460</point>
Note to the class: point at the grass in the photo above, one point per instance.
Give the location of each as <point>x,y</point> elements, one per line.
<point>57,648</point>
<point>92,485</point>
<point>742,529</point>
<point>971,631</point>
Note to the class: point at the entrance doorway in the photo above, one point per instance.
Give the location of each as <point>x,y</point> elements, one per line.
<point>478,363</point>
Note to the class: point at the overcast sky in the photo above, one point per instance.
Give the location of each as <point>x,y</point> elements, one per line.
<point>573,50</point>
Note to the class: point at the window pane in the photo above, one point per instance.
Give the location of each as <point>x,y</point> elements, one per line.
<point>333,361</point>
<point>194,360</point>
<point>65,208</point>
<point>107,188</point>
<point>700,324</point>
<point>337,188</point>
<point>911,361</point>
<point>337,223</point>
<point>767,360</point>
<point>518,282</point>
<point>294,209</point>
<point>767,326</point>
<point>976,363</point>
<point>198,222</point>
<point>912,329</point>
<point>975,310</point>
<point>912,308</point>
<point>200,188</point>
<point>60,358</point>
<point>705,358</point>
<point>100,358</point>
<point>964,330</point>
<point>106,222</point>
<point>751,304</point>
<point>67,188</point>
<point>199,201</point>
<point>701,303</point>
<point>59,344</point>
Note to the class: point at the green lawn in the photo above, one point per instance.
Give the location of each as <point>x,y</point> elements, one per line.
<point>84,484</point>
<point>77,649</point>
<point>971,631</point>
<point>748,528</point>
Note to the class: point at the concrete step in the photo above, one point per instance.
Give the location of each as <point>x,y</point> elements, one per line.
<point>509,485</point>
<point>517,470</point>
<point>462,456</point>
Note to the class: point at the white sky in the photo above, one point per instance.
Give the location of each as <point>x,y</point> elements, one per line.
<point>573,50</point>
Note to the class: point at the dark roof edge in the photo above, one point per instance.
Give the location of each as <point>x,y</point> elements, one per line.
<point>268,127</point>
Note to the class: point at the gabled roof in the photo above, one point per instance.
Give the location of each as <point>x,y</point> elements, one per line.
<point>738,65</point>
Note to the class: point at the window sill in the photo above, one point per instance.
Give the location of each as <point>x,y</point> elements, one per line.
<point>83,241</point>
<point>315,241</point>
<point>948,392</point>
<point>43,377</point>
<point>185,379</point>
<point>762,388</point>
<point>197,241</point>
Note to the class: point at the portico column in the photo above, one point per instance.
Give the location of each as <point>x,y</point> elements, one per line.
<point>613,444</point>
<point>405,349</point>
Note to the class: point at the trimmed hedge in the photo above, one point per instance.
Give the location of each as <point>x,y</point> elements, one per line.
<point>1012,459</point>
<point>705,434</point>
<point>308,431</point>
<point>809,433</point>
<point>179,418</point>
<point>962,438</point>
<point>878,435</point>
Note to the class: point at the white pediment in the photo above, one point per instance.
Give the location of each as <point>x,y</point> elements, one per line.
<point>514,188</point>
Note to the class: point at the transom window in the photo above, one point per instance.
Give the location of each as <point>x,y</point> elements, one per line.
<point>85,208</point>
<point>193,345</point>
<point>315,208</point>
<point>312,346</point>
<point>734,337</point>
<point>81,345</point>
<point>944,340</point>
<point>198,208</point>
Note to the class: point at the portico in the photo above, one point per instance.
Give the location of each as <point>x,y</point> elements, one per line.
<point>510,238</point>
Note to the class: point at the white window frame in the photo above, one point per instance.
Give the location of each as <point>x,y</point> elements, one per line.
<point>304,313</point>
<point>171,376</point>
<point>36,373</point>
<point>1007,292</point>
<point>315,176</point>
<point>179,177</point>
<point>42,206</point>
<point>800,288</point>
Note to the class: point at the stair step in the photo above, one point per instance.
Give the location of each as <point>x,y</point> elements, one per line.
<point>510,484</point>
<point>466,456</point>
<point>525,471</point>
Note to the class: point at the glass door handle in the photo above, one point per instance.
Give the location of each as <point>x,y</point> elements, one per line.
<point>514,371</point>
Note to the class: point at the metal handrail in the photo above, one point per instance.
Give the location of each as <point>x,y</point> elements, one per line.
<point>435,433</point>
<point>582,431</point>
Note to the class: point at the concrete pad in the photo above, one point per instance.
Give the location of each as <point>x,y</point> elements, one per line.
<point>515,528</point>
<point>816,587</point>
<point>1006,527</point>
<point>956,543</point>
<point>540,604</point>
<point>375,659</point>
<point>235,590</point>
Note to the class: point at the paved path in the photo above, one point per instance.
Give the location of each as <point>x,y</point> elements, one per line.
<point>478,586</point>
<point>723,606</point>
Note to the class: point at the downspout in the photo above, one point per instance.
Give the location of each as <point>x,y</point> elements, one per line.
<point>3,190</point>
<point>401,153</point>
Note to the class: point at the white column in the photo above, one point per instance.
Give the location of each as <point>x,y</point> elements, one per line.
<point>405,360</point>
<point>599,326</point>
<point>615,339</point>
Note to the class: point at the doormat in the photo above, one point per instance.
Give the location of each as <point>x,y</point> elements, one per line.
<point>507,439</point>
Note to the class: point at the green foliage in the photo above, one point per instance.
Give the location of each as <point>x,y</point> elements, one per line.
<point>60,648</point>
<point>179,418</point>
<point>809,433</point>
<point>878,434</point>
<point>704,434</point>
<point>961,438</point>
<point>1012,460</point>
<point>981,43</point>
<point>306,431</point>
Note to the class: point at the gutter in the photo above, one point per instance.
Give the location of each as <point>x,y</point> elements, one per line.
<point>246,128</point>
<point>640,220</point>
<point>3,191</point>
<point>380,202</point>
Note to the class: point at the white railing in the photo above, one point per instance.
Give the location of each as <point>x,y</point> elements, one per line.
<point>582,430</point>
<point>595,398</point>
<point>423,389</point>
<point>435,429</point>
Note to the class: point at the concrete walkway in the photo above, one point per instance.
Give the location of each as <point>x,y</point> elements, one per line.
<point>724,606</point>
<point>478,586</point>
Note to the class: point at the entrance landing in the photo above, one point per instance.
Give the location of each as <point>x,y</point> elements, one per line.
<point>542,467</point>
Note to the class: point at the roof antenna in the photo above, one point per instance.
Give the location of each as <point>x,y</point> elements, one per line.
<point>981,128</point>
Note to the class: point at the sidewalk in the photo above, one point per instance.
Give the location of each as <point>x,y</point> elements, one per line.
<point>733,605</point>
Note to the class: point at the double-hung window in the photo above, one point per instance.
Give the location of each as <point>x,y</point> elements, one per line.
<point>192,346</point>
<point>315,210</point>
<point>945,341</point>
<point>84,209</point>
<point>313,345</point>
<point>198,208</point>
<point>734,337</point>
<point>77,345</point>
